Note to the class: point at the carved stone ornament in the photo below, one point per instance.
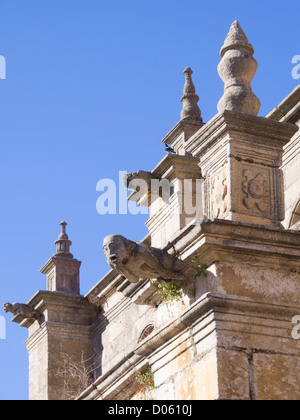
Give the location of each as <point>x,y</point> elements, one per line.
<point>237,69</point>
<point>21,309</point>
<point>140,181</point>
<point>190,109</point>
<point>136,261</point>
<point>219,194</point>
<point>255,189</point>
<point>147,177</point>
<point>63,244</point>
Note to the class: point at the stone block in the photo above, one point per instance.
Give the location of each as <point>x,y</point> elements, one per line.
<point>233,375</point>
<point>277,376</point>
<point>198,381</point>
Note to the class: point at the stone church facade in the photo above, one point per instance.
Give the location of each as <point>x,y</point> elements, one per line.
<point>203,307</point>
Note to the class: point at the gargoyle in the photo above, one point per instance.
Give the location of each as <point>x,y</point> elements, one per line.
<point>147,177</point>
<point>21,309</point>
<point>143,183</point>
<point>135,260</point>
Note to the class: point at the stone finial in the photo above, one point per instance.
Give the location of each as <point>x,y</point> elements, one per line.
<point>62,269</point>
<point>63,234</point>
<point>189,100</point>
<point>63,244</point>
<point>237,69</point>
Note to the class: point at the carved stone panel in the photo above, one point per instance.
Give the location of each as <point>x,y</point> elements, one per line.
<point>219,195</point>
<point>255,197</point>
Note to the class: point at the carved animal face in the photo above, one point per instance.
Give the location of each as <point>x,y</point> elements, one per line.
<point>117,250</point>
<point>7,307</point>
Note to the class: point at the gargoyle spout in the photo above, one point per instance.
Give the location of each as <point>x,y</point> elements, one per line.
<point>136,261</point>
<point>21,309</point>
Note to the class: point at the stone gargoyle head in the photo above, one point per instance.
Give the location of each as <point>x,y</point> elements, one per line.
<point>21,309</point>
<point>117,250</point>
<point>135,260</point>
<point>7,307</point>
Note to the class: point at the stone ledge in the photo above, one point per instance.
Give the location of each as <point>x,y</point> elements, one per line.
<point>205,305</point>
<point>43,299</point>
<point>108,385</point>
<point>217,240</point>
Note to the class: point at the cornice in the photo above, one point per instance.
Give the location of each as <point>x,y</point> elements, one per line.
<point>180,128</point>
<point>247,126</point>
<point>288,108</point>
<point>44,299</point>
<point>56,260</point>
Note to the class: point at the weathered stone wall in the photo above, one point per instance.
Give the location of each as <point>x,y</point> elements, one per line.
<point>229,337</point>
<point>118,330</point>
<point>63,330</point>
<point>291,170</point>
<point>243,348</point>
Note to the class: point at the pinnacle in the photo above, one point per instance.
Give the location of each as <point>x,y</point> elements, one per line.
<point>237,69</point>
<point>190,99</point>
<point>189,86</point>
<point>236,39</point>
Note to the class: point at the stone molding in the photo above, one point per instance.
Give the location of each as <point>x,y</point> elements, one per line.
<point>221,240</point>
<point>43,300</point>
<point>180,134</point>
<point>64,331</point>
<point>205,314</point>
<point>288,108</point>
<point>244,127</point>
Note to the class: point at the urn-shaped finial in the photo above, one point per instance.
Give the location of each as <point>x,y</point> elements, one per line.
<point>190,109</point>
<point>237,69</point>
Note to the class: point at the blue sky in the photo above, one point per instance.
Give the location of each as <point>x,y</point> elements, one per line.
<point>92,87</point>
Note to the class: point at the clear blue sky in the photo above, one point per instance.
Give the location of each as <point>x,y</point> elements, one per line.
<point>92,87</point>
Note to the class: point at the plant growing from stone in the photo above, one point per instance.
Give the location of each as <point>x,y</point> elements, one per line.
<point>168,292</point>
<point>145,381</point>
<point>200,268</point>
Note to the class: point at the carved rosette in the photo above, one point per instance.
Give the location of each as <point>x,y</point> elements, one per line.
<point>256,192</point>
<point>246,192</point>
